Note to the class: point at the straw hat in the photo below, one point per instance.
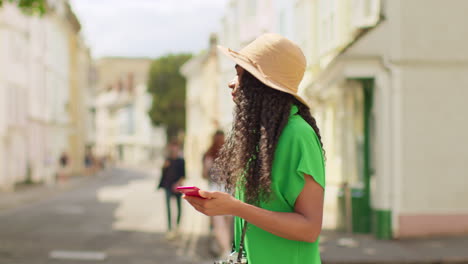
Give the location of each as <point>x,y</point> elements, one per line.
<point>274,60</point>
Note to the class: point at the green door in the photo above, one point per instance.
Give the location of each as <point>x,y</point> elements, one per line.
<point>360,196</point>
<point>365,218</point>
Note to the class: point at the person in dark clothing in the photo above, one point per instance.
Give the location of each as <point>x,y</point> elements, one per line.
<point>89,161</point>
<point>64,160</point>
<point>173,173</point>
<point>63,170</point>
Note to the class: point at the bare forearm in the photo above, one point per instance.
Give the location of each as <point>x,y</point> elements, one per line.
<point>293,226</point>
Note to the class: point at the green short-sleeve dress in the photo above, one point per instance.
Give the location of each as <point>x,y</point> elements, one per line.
<point>298,152</point>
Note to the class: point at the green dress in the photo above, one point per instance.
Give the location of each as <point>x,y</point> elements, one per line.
<point>298,152</point>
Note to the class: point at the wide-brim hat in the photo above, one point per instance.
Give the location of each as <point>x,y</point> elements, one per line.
<point>274,60</point>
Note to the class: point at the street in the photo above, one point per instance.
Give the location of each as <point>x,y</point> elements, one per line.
<point>114,218</point>
<point>117,217</point>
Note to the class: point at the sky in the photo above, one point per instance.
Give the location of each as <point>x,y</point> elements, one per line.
<point>147,28</point>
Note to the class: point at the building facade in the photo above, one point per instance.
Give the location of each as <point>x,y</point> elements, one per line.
<point>36,84</point>
<point>13,88</point>
<point>376,82</point>
<point>124,132</point>
<point>203,120</point>
<point>376,71</point>
<point>81,103</point>
<point>201,106</point>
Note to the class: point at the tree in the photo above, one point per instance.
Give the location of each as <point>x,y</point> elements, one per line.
<point>167,85</point>
<point>29,6</point>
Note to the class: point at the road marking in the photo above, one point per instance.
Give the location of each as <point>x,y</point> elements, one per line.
<point>369,251</point>
<point>77,255</point>
<point>348,242</point>
<point>70,209</point>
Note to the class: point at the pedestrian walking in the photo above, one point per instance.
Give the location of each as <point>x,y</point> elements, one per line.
<point>172,176</point>
<point>89,161</point>
<point>63,168</point>
<point>273,160</point>
<point>221,224</point>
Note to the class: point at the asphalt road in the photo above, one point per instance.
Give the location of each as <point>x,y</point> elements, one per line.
<point>114,218</point>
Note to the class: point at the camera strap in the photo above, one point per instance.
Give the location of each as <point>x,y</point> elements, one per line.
<point>241,245</point>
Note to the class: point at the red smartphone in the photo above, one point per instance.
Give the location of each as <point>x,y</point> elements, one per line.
<point>189,190</point>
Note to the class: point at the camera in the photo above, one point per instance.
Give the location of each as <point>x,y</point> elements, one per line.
<point>232,259</point>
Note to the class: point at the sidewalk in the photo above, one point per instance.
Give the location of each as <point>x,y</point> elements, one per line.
<point>194,241</point>
<point>337,247</point>
<point>340,248</point>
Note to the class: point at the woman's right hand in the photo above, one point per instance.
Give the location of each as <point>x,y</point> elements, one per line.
<point>214,203</point>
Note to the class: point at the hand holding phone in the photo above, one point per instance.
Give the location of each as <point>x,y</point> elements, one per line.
<point>189,190</point>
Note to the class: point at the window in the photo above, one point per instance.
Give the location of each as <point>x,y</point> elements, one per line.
<point>303,31</point>
<point>282,21</point>
<point>17,47</point>
<point>131,120</point>
<point>366,13</point>
<point>126,117</point>
<point>251,8</point>
<point>15,106</point>
<point>327,24</point>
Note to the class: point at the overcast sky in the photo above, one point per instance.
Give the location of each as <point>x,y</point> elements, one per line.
<point>148,28</point>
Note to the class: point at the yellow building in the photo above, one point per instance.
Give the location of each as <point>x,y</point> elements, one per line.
<point>79,68</point>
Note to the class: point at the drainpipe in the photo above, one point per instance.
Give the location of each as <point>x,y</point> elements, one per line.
<point>392,199</point>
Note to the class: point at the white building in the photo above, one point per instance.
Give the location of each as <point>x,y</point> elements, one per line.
<point>57,81</point>
<point>243,22</point>
<point>123,128</point>
<point>375,72</point>
<point>34,87</point>
<point>14,80</point>
<point>390,93</point>
<point>40,154</point>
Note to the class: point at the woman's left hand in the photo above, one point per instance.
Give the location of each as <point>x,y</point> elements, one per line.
<point>213,203</point>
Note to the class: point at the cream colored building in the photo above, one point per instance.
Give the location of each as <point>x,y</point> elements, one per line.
<point>123,128</point>
<point>202,106</point>
<point>243,21</point>
<point>376,71</point>
<point>389,94</point>
<point>203,119</point>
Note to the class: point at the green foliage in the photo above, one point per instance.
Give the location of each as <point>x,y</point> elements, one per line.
<point>167,86</point>
<point>30,7</point>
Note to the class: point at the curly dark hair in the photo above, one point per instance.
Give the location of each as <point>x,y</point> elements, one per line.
<point>259,118</point>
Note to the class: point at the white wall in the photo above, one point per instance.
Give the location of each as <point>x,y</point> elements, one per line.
<point>433,70</point>
<point>420,101</point>
<point>435,142</point>
<point>434,30</point>
<point>14,62</point>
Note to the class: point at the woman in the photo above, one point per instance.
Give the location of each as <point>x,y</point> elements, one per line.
<point>210,156</point>
<point>273,159</point>
<point>172,176</point>
<point>221,223</point>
